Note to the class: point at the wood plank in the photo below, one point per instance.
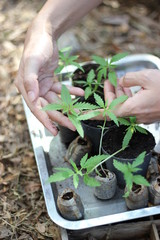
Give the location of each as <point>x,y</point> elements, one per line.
<point>154,232</point>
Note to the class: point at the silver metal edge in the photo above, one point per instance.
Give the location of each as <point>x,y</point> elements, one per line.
<point>37,135</point>
<point>141,57</point>
<point>129,59</point>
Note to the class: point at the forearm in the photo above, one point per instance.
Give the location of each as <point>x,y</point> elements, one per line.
<point>63,14</point>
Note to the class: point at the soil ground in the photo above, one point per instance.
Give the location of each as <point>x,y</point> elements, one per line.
<point>113,27</point>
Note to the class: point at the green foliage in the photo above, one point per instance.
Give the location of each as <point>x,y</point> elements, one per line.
<point>90,181</point>
<point>73,109</point>
<point>108,110</point>
<point>118,57</point>
<point>76,112</point>
<point>93,162</point>
<point>66,59</point>
<point>107,67</point>
<point>91,84</point>
<point>131,129</point>
<point>87,166</point>
<point>128,170</point>
<point>105,70</point>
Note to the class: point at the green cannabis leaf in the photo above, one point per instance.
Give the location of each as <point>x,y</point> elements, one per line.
<point>118,57</point>
<point>129,170</point>
<point>131,129</point>
<point>93,161</point>
<point>90,181</point>
<point>66,59</point>
<point>99,101</point>
<point>60,175</point>
<point>73,109</point>
<point>106,67</point>
<point>87,166</point>
<point>88,115</point>
<point>91,85</point>
<point>108,110</point>
<point>76,122</point>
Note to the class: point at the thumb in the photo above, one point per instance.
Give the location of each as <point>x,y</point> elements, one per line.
<point>31,84</point>
<point>133,79</point>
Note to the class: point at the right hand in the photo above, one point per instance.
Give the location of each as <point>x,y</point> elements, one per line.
<point>35,76</point>
<point>145,104</point>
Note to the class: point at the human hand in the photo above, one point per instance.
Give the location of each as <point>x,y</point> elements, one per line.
<point>145,104</point>
<point>35,76</point>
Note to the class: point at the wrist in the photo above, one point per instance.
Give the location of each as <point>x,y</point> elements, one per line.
<point>51,19</point>
<point>59,15</point>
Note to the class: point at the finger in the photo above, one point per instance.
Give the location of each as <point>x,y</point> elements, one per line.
<point>119,90</point>
<point>36,109</point>
<point>109,91</point>
<point>45,85</point>
<point>134,79</point>
<point>56,87</point>
<point>51,97</point>
<point>42,116</point>
<point>58,117</point>
<point>134,106</point>
<point>31,85</point>
<point>128,92</point>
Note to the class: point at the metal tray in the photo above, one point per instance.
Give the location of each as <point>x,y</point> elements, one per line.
<point>49,152</point>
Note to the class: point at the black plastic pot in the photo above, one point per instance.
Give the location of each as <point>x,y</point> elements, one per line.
<point>137,198</point>
<point>154,191</point>
<point>146,143</point>
<point>80,75</point>
<point>66,135</point>
<point>93,132</point>
<point>70,205</point>
<point>108,186</point>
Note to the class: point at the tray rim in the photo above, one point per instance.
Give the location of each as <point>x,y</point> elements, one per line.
<point>40,146</point>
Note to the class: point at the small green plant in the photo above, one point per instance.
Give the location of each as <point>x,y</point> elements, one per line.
<point>108,111</point>
<point>129,170</point>
<point>87,166</point>
<point>66,59</point>
<point>76,112</point>
<point>131,129</point>
<point>91,84</point>
<point>107,67</point>
<point>73,109</point>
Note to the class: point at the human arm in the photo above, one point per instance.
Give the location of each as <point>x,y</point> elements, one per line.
<point>40,58</point>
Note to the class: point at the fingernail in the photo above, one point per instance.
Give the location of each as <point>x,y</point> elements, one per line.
<point>31,96</point>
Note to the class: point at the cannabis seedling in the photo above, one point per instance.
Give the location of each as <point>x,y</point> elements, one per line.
<point>87,166</point>
<point>129,170</point>
<point>73,109</point>
<point>108,111</point>
<point>107,67</point>
<point>131,129</point>
<point>91,84</point>
<point>66,59</point>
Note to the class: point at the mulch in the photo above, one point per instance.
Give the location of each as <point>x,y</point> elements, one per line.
<point>113,27</point>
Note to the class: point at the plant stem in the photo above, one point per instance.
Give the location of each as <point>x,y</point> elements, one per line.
<point>100,146</point>
<point>110,156</point>
<point>103,127</point>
